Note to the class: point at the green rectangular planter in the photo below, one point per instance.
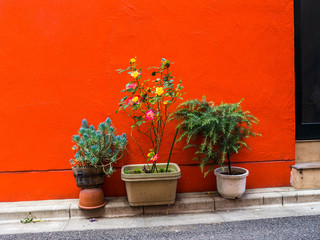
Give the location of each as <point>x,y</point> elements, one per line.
<point>147,189</point>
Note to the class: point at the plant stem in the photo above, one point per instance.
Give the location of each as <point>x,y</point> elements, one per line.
<point>229,163</point>
<point>154,167</point>
<point>138,146</point>
<point>173,142</point>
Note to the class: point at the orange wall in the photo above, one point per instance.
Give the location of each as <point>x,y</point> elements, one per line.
<point>58,62</point>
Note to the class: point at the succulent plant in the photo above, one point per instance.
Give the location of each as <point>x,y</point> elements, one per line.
<point>101,147</point>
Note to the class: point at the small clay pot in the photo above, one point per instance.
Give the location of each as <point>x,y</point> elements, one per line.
<point>91,198</point>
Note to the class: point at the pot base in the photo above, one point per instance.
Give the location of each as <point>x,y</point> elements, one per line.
<point>92,198</point>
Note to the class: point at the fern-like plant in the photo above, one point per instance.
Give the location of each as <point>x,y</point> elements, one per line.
<point>217,132</point>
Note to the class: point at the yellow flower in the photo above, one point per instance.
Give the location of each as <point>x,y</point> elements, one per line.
<point>159,91</point>
<point>133,60</point>
<point>135,74</point>
<point>135,99</point>
<point>165,102</point>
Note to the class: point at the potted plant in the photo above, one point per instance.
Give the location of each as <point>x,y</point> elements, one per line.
<point>217,132</point>
<point>95,153</point>
<point>147,102</point>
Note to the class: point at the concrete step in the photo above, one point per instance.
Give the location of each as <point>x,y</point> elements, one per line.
<point>306,175</point>
<point>185,203</point>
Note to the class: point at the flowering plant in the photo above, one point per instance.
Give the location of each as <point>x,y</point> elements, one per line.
<point>147,102</point>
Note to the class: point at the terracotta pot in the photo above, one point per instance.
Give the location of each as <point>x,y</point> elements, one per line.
<point>88,177</point>
<point>231,186</point>
<point>151,188</point>
<point>91,198</point>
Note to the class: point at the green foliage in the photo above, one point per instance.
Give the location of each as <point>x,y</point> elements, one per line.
<point>30,218</point>
<point>137,171</point>
<point>27,219</point>
<point>163,170</point>
<point>101,147</point>
<point>217,132</point>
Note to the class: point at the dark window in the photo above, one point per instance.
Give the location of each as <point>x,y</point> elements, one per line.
<point>307,68</point>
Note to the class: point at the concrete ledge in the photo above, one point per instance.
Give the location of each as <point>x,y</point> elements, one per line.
<point>289,197</point>
<point>308,196</point>
<point>272,198</point>
<point>115,207</point>
<point>306,165</point>
<point>185,203</point>
<point>39,209</point>
<point>248,200</point>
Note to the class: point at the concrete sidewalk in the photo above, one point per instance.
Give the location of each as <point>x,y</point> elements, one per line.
<point>186,203</point>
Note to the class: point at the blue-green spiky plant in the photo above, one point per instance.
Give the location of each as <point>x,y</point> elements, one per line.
<point>101,147</point>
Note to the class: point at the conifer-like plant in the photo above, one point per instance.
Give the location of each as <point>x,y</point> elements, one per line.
<point>216,131</point>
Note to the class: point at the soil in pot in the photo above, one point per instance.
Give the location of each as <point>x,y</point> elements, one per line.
<point>232,173</point>
<point>140,171</point>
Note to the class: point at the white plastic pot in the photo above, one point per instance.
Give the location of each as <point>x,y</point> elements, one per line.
<point>231,186</point>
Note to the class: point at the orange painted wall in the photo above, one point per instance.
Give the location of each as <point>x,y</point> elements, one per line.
<point>58,62</point>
